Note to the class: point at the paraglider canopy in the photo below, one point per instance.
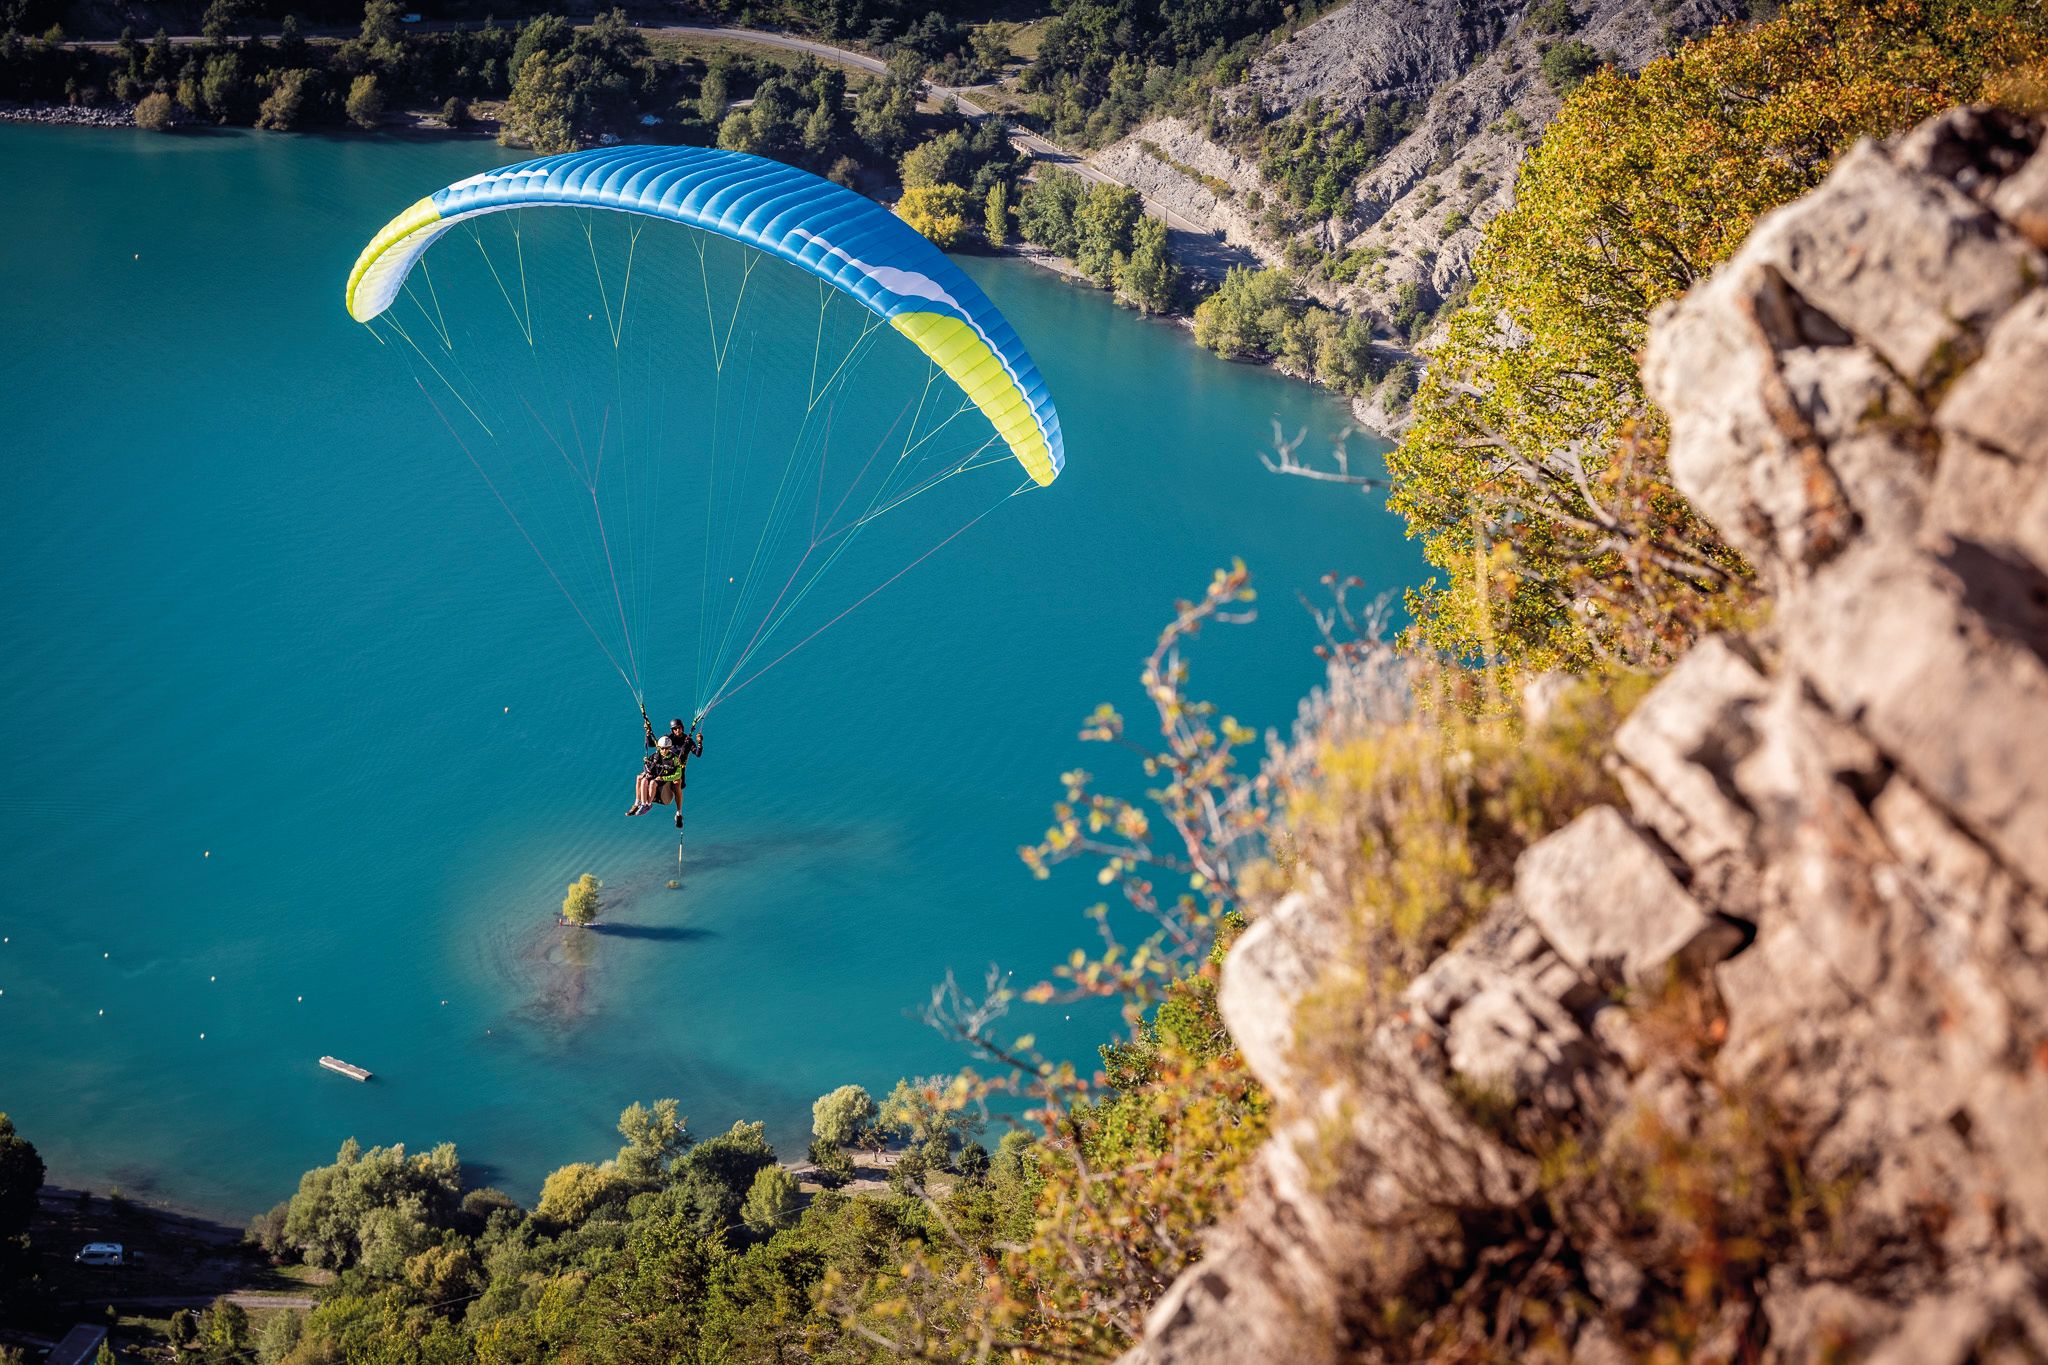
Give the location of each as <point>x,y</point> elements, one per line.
<point>848,241</point>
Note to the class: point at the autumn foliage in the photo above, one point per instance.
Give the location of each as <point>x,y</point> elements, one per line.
<point>1535,472</point>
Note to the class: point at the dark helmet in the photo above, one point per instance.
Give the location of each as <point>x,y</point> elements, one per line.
<point>676,723</point>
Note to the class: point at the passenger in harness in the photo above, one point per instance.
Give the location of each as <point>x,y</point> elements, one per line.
<point>662,776</point>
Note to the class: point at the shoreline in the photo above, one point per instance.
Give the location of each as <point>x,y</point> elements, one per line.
<point>1364,411</point>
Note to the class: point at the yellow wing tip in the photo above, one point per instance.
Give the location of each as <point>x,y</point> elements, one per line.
<point>420,214</point>
<point>958,350</point>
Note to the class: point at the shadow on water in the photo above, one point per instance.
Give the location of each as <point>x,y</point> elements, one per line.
<point>741,852</point>
<point>654,933</point>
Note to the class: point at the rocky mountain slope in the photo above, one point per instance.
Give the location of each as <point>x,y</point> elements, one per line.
<point>1835,837</point>
<point>1474,68</point>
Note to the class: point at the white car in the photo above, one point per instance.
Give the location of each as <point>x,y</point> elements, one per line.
<point>100,1253</point>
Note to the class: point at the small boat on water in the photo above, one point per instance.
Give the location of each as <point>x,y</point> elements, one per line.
<point>354,1073</point>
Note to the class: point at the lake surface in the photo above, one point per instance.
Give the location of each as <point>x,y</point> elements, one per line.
<point>298,746</point>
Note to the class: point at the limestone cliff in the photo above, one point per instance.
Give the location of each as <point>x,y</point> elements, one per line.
<point>1473,70</point>
<point>1834,833</point>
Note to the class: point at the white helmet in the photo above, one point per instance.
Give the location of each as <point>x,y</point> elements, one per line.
<point>664,743</point>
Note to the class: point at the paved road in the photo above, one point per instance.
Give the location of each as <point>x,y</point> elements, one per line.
<point>245,1300</point>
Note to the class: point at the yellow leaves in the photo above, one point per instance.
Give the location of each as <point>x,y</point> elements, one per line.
<point>1641,185</point>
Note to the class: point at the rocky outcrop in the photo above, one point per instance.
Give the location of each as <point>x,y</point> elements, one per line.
<point>1837,822</point>
<point>1467,74</point>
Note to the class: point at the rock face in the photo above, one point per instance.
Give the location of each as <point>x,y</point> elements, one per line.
<point>1841,819</point>
<point>1467,72</point>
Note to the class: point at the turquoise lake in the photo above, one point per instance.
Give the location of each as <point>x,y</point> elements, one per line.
<point>298,745</point>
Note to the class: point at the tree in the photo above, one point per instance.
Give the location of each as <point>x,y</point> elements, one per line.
<point>21,1180</point>
<point>225,1331</point>
<point>820,128</point>
<point>1534,473</point>
<point>922,1113</point>
<point>285,107</point>
<point>937,211</point>
<point>717,1174</point>
<point>455,113</point>
<point>582,903</point>
<point>655,1134</point>
<point>365,107</point>
<point>325,1218</point>
<point>1104,224</point>
<point>223,93</point>
<point>936,161</point>
<point>736,134</point>
<point>839,1118</point>
<point>1149,279</point>
<point>1045,213</point>
<point>572,1193</point>
<point>715,94</point>
<point>1244,316</point>
<point>995,219</point>
<point>1567,63</point>
<point>771,1203</point>
<point>883,115</point>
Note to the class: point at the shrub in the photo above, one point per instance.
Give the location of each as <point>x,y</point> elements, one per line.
<point>1567,63</point>
<point>582,903</point>
<point>156,112</point>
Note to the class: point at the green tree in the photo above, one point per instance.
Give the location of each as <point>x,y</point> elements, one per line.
<point>1105,224</point>
<point>1149,279</point>
<point>655,1135</point>
<point>546,33</point>
<point>286,105</point>
<point>223,91</point>
<point>582,903</point>
<point>1245,315</point>
<point>884,114</point>
<point>771,1202</point>
<point>1568,63</point>
<point>821,128</point>
<point>1047,209</point>
<point>225,1332</point>
<point>325,1218</point>
<point>714,95</point>
<point>717,1174</point>
<point>923,1113</point>
<point>21,1180</point>
<point>840,1117</point>
<point>365,107</point>
<point>995,217</point>
<point>937,161</point>
<point>937,211</point>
